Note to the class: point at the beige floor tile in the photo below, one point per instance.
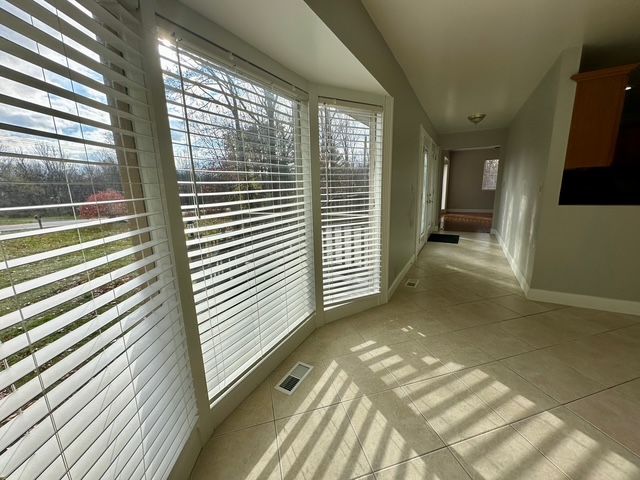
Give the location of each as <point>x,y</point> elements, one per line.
<point>455,294</point>
<point>510,396</point>
<point>254,410</point>
<point>552,376</point>
<point>491,288</point>
<point>578,448</point>
<point>480,313</point>
<point>427,300</point>
<point>409,362</point>
<point>601,319</point>
<point>535,333</point>
<point>390,428</point>
<point>251,453</point>
<point>332,340</point>
<point>440,465</point>
<point>452,409</point>
<point>386,332</point>
<point>359,374</point>
<point>519,304</point>
<point>425,327</point>
<point>396,306</point>
<point>462,358</point>
<point>320,445</point>
<point>446,342</point>
<point>631,333</point>
<point>504,454</point>
<point>614,413</point>
<point>631,390</point>
<point>496,342</point>
<point>316,390</point>
<point>609,359</point>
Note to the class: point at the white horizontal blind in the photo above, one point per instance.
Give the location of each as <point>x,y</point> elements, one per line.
<point>241,153</point>
<point>351,189</point>
<point>94,374</point>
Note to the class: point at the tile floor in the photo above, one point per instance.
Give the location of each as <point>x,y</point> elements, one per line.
<point>459,378</point>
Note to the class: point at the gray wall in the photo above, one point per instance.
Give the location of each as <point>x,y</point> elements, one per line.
<point>581,250</point>
<point>353,26</point>
<point>585,250</point>
<point>526,156</point>
<point>466,170</point>
<point>473,139</point>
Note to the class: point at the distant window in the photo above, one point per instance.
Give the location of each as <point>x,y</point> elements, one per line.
<point>490,174</point>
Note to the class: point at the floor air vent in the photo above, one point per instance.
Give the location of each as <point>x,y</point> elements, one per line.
<point>292,380</point>
<point>411,283</point>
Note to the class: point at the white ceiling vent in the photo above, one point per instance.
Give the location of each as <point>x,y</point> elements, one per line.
<point>411,283</point>
<point>293,379</point>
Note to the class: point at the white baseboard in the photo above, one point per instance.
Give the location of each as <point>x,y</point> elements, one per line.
<point>524,285</point>
<point>469,210</point>
<point>585,301</point>
<point>564,298</point>
<point>400,276</point>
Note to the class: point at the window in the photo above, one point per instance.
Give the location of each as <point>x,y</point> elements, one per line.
<point>445,184</point>
<point>94,377</point>
<point>351,193</point>
<point>241,153</point>
<point>490,174</point>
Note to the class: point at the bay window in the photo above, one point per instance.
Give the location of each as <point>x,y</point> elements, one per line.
<point>241,153</point>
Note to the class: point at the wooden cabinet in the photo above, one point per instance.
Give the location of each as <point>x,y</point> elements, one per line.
<point>596,116</point>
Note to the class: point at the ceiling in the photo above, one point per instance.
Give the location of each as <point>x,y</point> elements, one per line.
<point>466,56</point>
<point>292,34</point>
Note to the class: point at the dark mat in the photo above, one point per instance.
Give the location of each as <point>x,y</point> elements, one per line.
<point>443,238</point>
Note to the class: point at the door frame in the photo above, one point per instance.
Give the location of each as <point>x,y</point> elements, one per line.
<point>427,207</point>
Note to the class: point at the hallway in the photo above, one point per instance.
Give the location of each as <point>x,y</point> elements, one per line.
<point>460,377</point>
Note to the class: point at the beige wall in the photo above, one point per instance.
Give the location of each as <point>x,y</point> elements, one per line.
<point>465,180</point>
<point>353,26</point>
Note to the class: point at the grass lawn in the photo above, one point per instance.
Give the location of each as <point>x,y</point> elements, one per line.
<point>24,247</point>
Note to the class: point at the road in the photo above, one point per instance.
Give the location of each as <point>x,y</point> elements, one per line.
<point>34,225</point>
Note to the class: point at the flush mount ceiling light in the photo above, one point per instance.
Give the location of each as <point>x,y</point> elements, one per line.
<point>476,118</point>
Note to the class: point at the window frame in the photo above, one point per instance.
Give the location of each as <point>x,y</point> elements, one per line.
<point>252,73</point>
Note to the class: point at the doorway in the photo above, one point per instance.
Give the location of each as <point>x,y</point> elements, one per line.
<point>470,179</point>
<point>427,180</point>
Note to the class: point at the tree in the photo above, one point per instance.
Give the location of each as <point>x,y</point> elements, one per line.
<point>107,203</point>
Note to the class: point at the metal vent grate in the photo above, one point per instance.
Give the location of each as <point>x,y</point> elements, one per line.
<point>292,380</point>
<point>411,283</point>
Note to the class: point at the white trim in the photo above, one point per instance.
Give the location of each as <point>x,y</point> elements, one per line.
<point>387,159</point>
<point>314,146</point>
<point>469,210</point>
<point>352,307</point>
<point>401,275</point>
<point>524,285</point>
<point>348,96</point>
<point>585,301</point>
<point>564,298</point>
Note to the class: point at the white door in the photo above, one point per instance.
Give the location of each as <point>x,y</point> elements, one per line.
<point>427,183</point>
